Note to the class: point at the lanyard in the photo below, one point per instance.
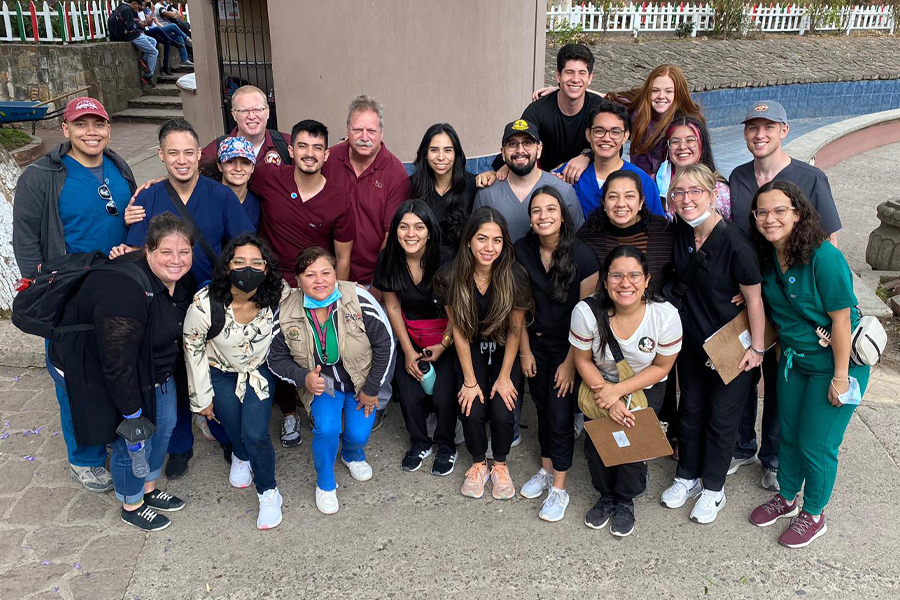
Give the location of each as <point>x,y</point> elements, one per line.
<point>322,332</point>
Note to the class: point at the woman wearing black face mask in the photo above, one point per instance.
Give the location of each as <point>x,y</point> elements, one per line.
<point>227,332</point>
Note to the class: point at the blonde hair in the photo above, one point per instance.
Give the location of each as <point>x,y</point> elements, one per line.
<point>247,89</point>
<point>703,176</point>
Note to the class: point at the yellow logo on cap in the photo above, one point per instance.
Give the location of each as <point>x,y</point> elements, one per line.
<point>761,107</point>
<point>520,125</point>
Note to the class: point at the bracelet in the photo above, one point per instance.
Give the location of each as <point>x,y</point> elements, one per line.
<point>841,380</point>
<point>470,386</point>
<point>757,352</point>
<point>526,355</point>
<point>447,339</point>
<point>442,345</point>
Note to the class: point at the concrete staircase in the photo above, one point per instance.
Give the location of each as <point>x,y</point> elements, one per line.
<point>158,104</point>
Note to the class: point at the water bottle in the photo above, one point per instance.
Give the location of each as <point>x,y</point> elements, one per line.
<point>428,376</point>
<point>139,465</point>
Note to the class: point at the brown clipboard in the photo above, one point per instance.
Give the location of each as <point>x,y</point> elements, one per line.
<point>620,445</point>
<point>727,346</point>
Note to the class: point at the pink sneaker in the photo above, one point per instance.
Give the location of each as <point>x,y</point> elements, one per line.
<point>802,531</point>
<point>777,507</point>
<point>476,477</point>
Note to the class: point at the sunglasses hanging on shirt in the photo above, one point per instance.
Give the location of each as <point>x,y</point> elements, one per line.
<point>111,208</point>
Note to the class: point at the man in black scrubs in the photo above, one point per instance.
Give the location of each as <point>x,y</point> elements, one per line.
<point>561,117</point>
<point>765,128</point>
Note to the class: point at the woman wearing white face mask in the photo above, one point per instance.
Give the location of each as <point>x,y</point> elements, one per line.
<point>713,262</point>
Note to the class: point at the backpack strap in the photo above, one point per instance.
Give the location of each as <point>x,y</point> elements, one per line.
<point>281,146</point>
<point>611,340</point>
<point>217,318</point>
<point>186,216</point>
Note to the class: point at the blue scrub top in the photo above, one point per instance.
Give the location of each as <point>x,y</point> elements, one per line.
<point>588,189</point>
<point>251,207</point>
<point>87,226</point>
<point>213,206</point>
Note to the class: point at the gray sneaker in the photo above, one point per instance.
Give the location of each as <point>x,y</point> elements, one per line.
<point>770,480</point>
<point>737,463</point>
<point>94,479</point>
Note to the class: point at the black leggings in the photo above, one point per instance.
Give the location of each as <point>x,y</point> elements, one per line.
<point>416,406</point>
<point>556,416</point>
<point>487,361</point>
<point>710,414</point>
<point>622,483</point>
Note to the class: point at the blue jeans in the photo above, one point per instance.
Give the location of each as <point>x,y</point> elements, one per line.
<point>327,412</point>
<point>130,489</point>
<point>247,424</point>
<point>169,35</point>
<point>147,46</point>
<point>79,456</point>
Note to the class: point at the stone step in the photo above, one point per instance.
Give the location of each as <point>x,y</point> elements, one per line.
<point>148,115</point>
<point>166,102</point>
<point>167,79</point>
<point>163,89</point>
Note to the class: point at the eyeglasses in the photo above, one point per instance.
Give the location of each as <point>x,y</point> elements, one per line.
<point>513,145</point>
<point>780,212</point>
<point>615,133</point>
<point>111,208</point>
<point>689,142</point>
<point>257,264</point>
<point>249,111</point>
<point>693,194</point>
<point>633,277</point>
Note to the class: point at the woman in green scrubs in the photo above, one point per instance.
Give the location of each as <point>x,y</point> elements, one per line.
<point>809,289</point>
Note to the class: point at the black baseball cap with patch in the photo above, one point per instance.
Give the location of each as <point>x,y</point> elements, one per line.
<point>521,126</point>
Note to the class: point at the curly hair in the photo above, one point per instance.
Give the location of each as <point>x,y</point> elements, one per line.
<point>599,221</point>
<point>268,294</point>
<point>562,268</point>
<point>804,239</point>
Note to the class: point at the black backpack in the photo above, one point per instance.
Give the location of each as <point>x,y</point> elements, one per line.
<point>117,24</point>
<point>281,146</point>
<point>40,304</point>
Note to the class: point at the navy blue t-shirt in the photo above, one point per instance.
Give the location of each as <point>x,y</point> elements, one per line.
<point>213,206</point>
<point>87,225</point>
<point>251,207</point>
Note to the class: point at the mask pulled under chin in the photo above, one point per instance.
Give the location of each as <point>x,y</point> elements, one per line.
<point>700,220</point>
<point>246,279</point>
<point>313,303</point>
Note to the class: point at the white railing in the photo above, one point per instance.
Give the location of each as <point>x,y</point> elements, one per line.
<point>58,22</point>
<point>664,17</point>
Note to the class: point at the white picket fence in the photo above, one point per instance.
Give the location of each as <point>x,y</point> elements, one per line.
<point>58,22</point>
<point>667,17</point>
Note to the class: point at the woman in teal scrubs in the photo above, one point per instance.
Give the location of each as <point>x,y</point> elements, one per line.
<point>809,289</point>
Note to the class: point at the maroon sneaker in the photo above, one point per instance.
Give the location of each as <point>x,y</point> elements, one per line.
<point>776,508</point>
<point>802,531</point>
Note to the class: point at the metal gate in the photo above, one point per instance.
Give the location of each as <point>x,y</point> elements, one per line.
<point>244,51</point>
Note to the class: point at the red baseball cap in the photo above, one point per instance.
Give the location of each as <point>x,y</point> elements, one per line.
<point>78,107</point>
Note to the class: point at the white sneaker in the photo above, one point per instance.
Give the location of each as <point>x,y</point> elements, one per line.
<point>270,503</point>
<point>359,469</point>
<point>203,426</point>
<point>516,441</point>
<point>708,506</point>
<point>241,475</point>
<point>554,507</point>
<point>539,482</point>
<point>679,492</point>
<point>327,502</point>
<point>737,463</point>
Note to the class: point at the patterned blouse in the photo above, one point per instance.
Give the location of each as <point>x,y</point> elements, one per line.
<point>238,348</point>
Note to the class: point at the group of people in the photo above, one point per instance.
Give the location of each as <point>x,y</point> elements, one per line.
<point>149,24</point>
<point>272,267</point>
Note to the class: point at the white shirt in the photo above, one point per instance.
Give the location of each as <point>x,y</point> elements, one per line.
<point>658,333</point>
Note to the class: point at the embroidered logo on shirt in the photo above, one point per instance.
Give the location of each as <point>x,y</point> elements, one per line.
<point>378,184</point>
<point>293,332</point>
<point>272,158</point>
<point>647,344</point>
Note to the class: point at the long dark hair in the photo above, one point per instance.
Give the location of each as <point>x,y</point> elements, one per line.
<point>498,320</point>
<point>706,153</point>
<point>268,294</point>
<point>422,183</point>
<point>601,302</point>
<point>599,221</point>
<point>806,236</point>
<point>562,269</point>
<point>392,267</point>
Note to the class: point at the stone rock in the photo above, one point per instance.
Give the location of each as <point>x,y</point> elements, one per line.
<point>92,508</point>
<point>55,542</point>
<point>101,584</point>
<point>894,303</point>
<point>22,580</point>
<point>113,551</point>
<point>39,505</point>
<point>11,545</point>
<point>883,250</point>
<point>16,475</point>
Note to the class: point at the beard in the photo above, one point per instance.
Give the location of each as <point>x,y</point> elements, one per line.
<point>523,170</point>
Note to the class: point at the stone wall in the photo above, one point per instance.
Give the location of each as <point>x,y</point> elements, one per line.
<point>718,64</point>
<point>29,71</point>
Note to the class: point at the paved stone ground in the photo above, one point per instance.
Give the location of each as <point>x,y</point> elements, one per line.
<point>621,63</point>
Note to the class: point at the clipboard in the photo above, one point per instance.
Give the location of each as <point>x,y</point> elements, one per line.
<point>727,346</point>
<point>620,445</point>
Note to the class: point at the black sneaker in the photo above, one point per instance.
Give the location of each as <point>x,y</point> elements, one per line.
<point>413,459</point>
<point>379,419</point>
<point>167,72</point>
<point>145,518</point>
<point>159,500</point>
<point>177,464</point>
<point>622,520</point>
<point>443,463</point>
<point>598,517</point>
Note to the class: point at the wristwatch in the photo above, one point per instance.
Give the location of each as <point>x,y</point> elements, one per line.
<point>757,352</point>
<point>588,152</point>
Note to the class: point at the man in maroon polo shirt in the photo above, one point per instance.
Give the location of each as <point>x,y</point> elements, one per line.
<point>299,207</point>
<point>377,181</point>
<point>250,109</point>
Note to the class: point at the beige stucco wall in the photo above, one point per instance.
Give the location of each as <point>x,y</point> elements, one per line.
<point>204,110</point>
<point>472,63</point>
